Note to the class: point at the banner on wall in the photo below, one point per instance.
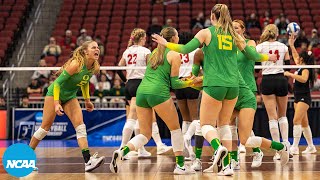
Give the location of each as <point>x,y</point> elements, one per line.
<point>3,122</point>
<point>103,125</point>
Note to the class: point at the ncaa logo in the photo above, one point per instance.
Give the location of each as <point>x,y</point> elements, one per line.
<point>19,160</point>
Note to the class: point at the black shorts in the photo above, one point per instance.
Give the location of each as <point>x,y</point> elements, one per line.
<point>304,97</point>
<point>276,84</point>
<point>131,88</point>
<point>187,93</point>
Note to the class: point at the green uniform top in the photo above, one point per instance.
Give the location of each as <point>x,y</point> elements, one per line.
<point>69,87</point>
<point>246,69</point>
<point>220,61</point>
<point>157,81</point>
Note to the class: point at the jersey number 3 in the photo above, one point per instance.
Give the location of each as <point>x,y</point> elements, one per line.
<point>132,58</point>
<point>184,58</point>
<point>225,42</point>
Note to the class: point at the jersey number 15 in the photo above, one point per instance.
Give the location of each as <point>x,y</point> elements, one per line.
<point>225,42</point>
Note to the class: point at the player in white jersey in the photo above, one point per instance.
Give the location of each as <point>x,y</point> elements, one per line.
<point>274,85</point>
<point>188,97</point>
<point>136,55</point>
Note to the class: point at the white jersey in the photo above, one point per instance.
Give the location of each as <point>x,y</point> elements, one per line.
<point>186,64</point>
<point>276,48</point>
<point>136,56</point>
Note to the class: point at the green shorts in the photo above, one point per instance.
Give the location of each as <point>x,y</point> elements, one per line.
<point>246,99</point>
<point>64,96</point>
<point>220,93</point>
<point>149,100</point>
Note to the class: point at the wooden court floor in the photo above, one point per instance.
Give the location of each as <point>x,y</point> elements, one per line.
<point>67,164</point>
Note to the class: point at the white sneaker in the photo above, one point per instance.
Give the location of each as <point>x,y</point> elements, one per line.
<point>310,150</point>
<point>276,156</point>
<point>209,169</point>
<point>183,170</point>
<point>117,157</point>
<point>142,152</point>
<point>242,148</point>
<point>284,153</point>
<point>163,149</point>
<point>257,159</point>
<point>294,150</point>
<point>94,162</point>
<point>226,171</point>
<point>219,155</point>
<point>197,165</point>
<point>235,164</point>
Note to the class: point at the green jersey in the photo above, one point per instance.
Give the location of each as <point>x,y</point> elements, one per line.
<point>69,88</point>
<point>246,68</point>
<point>220,61</point>
<point>157,81</point>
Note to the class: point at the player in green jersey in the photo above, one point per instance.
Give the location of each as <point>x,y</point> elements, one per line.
<point>154,94</point>
<point>61,98</point>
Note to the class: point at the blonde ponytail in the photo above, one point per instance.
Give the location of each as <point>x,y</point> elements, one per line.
<point>271,31</point>
<point>136,36</point>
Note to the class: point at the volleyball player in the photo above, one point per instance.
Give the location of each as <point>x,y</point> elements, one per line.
<point>136,55</point>
<point>303,79</point>
<point>187,98</point>
<point>62,98</point>
<point>274,85</point>
<point>154,94</point>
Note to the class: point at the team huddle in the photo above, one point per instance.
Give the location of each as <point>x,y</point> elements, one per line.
<point>226,86</point>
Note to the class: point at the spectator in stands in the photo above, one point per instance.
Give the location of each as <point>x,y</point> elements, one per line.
<point>2,103</point>
<point>316,85</point>
<point>207,23</point>
<point>101,93</point>
<point>51,79</point>
<point>100,44</point>
<point>301,39</point>
<point>198,22</point>
<point>83,37</point>
<point>34,87</point>
<point>277,21</point>
<point>266,19</point>
<point>155,27</point>
<point>105,82</point>
<point>25,102</point>
<point>282,26</point>
<point>52,49</point>
<point>252,22</point>
<point>314,40</point>
<point>169,23</point>
<point>116,90</point>
<point>68,41</point>
<point>42,75</point>
<point>316,53</point>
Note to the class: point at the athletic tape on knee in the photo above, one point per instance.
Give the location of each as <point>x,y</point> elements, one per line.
<point>253,142</point>
<point>207,128</point>
<point>283,120</point>
<point>297,130</point>
<point>234,132</point>
<point>198,129</point>
<point>273,124</point>
<point>137,125</point>
<point>138,141</point>
<point>81,131</point>
<point>225,133</point>
<point>40,134</point>
<point>177,140</point>
<point>130,124</point>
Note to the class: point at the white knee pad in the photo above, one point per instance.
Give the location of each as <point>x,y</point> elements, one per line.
<point>206,128</point>
<point>177,140</point>
<point>81,131</point>
<point>40,134</point>
<point>297,130</point>
<point>225,133</point>
<point>283,120</point>
<point>253,141</point>
<point>138,141</point>
<point>198,128</point>
<point>137,125</point>
<point>130,124</point>
<point>234,132</point>
<point>273,124</point>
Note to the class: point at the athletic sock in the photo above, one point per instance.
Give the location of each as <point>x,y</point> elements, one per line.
<point>86,154</point>
<point>226,160</point>
<point>155,134</point>
<point>234,155</point>
<point>258,150</point>
<point>297,131</point>
<point>185,126</point>
<point>284,128</point>
<point>215,143</point>
<point>308,135</point>
<point>180,160</point>
<point>125,150</point>
<point>276,146</point>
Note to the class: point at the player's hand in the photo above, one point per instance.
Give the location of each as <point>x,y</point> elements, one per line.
<point>287,73</point>
<point>197,81</point>
<point>291,40</point>
<point>273,57</point>
<point>89,106</point>
<point>58,109</point>
<point>159,39</point>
